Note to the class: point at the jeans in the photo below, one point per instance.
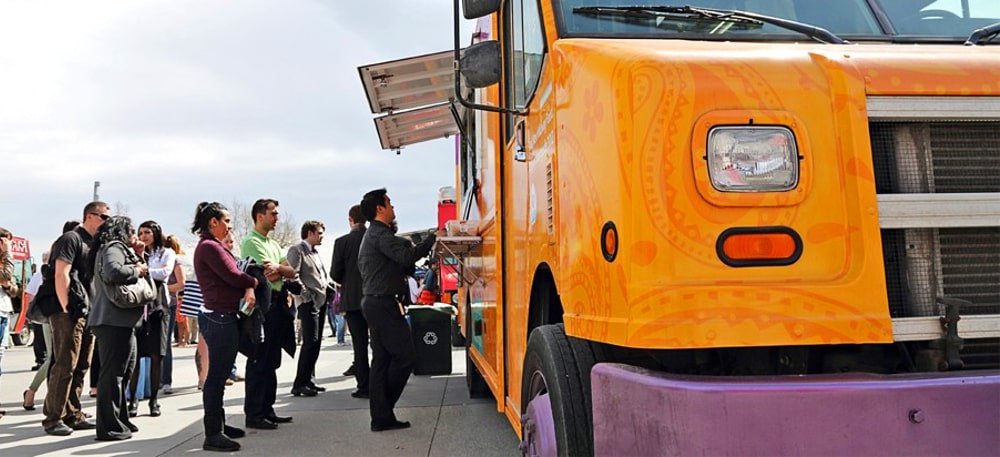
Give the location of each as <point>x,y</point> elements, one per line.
<point>167,376</point>
<point>202,322</point>
<point>222,336</point>
<point>4,318</point>
<point>341,334</point>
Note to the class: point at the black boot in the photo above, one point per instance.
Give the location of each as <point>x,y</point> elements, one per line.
<point>154,408</point>
<point>133,408</point>
<point>220,443</point>
<point>214,439</point>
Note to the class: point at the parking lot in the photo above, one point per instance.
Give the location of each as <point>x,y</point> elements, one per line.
<point>446,422</point>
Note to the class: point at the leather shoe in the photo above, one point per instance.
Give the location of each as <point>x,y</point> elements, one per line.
<point>133,409</point>
<point>261,424</point>
<point>116,437</point>
<point>36,366</point>
<point>154,409</point>
<point>233,432</point>
<point>303,392</point>
<point>359,394</point>
<point>395,425</point>
<point>317,388</point>
<point>220,443</point>
<point>59,429</point>
<point>279,419</point>
<point>85,424</point>
<point>350,371</point>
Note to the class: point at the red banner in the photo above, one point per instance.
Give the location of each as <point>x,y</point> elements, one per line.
<point>19,249</point>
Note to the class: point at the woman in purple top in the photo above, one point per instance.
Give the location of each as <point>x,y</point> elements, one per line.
<point>222,286</point>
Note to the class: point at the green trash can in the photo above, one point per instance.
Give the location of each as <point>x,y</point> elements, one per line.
<point>431,330</point>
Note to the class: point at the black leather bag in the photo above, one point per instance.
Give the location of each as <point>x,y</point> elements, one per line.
<point>44,303</point>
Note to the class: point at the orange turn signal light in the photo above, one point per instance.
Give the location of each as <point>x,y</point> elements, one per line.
<point>609,241</point>
<point>759,246</point>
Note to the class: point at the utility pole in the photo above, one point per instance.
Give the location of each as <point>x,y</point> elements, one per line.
<point>97,185</point>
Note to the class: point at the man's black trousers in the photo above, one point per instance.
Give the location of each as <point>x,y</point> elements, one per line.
<point>392,356</point>
<point>312,336</point>
<point>358,326</point>
<point>261,371</point>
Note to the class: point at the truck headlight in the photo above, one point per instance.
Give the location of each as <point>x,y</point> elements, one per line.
<point>752,159</point>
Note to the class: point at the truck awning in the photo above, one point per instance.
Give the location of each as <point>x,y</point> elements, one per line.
<point>412,97</point>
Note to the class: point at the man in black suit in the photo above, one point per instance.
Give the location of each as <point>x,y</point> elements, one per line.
<point>345,272</point>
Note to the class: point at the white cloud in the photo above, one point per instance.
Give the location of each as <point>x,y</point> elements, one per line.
<point>169,103</point>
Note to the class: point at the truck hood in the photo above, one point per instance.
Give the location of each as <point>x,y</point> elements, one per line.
<point>887,69</point>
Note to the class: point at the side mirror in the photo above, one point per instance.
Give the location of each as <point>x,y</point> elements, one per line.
<point>474,9</point>
<point>480,64</point>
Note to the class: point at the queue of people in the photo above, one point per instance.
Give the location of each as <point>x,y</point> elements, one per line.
<point>245,307</point>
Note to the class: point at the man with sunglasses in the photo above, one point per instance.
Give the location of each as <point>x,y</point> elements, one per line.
<point>72,342</point>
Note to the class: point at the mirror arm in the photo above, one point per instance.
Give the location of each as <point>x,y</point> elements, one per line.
<point>458,77</point>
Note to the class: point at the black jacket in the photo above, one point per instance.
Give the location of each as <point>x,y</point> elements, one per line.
<point>345,268</point>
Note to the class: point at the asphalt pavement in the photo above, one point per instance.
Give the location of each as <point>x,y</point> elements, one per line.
<point>445,421</point>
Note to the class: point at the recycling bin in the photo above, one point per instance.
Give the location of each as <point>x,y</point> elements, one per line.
<point>430,327</point>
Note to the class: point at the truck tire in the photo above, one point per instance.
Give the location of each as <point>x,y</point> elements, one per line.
<point>25,337</point>
<point>474,380</point>
<point>555,394</point>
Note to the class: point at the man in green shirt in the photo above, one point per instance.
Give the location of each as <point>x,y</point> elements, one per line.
<point>279,332</point>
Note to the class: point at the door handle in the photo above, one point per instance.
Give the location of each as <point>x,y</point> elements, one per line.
<point>520,153</point>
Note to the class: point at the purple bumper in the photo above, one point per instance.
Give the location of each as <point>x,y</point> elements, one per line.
<point>639,412</point>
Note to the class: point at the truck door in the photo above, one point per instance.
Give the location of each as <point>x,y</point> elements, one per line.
<point>523,50</point>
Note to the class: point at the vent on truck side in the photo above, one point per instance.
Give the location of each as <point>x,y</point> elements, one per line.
<point>937,175</point>
<point>939,157</point>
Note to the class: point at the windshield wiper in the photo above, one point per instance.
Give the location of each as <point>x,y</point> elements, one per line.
<point>689,13</point>
<point>986,33</point>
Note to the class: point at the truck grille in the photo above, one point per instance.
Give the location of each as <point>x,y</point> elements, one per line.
<point>936,157</point>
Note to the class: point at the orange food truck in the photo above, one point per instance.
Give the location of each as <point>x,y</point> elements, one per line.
<point>751,227</point>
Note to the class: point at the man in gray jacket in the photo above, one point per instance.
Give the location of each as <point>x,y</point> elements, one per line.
<point>306,261</point>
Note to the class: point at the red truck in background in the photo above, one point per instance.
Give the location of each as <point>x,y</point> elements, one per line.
<point>19,327</point>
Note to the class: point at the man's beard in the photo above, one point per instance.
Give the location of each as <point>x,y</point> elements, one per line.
<point>394,226</point>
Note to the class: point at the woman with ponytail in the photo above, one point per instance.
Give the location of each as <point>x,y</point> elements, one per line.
<point>223,286</point>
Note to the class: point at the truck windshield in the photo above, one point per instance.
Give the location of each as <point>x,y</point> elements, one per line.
<point>914,20</point>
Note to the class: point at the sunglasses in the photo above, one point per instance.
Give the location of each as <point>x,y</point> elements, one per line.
<point>103,217</point>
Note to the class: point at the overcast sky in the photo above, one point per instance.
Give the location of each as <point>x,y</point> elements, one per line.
<point>169,103</point>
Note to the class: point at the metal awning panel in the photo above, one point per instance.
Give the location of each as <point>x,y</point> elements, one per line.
<point>409,83</point>
<point>397,130</point>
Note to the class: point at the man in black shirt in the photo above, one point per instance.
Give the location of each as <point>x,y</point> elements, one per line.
<point>346,273</point>
<point>384,261</point>
<point>71,341</point>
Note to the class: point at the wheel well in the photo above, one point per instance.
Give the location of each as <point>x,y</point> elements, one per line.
<point>545,306</point>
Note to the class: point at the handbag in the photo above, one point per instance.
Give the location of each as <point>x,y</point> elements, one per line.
<point>128,296</point>
<point>45,303</point>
